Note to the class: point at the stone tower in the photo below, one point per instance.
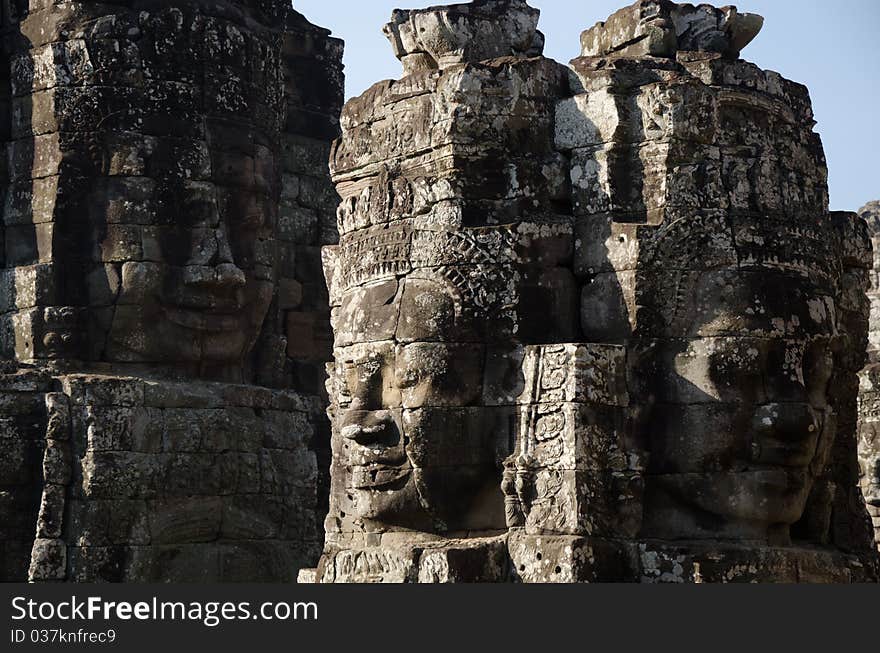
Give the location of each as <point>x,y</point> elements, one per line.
<point>166,196</point>
<point>591,324</point>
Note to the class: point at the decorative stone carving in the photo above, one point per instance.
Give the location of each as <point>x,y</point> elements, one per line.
<point>699,423</point>
<point>701,191</point>
<point>166,198</point>
<point>869,444</point>
<point>484,29</point>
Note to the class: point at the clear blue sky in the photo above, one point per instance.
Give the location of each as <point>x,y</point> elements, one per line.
<point>832,47</point>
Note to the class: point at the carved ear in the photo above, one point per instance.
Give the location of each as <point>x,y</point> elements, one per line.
<point>330,263</point>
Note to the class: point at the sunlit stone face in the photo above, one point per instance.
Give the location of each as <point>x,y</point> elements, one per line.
<point>741,425</point>
<point>415,447</point>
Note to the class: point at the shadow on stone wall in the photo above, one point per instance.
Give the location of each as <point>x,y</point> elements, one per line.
<point>22,410</point>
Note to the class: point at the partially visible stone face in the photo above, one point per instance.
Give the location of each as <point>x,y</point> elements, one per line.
<point>871,213</point>
<point>869,410</point>
<point>869,443</point>
<point>737,371</point>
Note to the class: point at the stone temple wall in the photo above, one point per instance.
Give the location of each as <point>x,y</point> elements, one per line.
<point>151,481</point>
<point>22,442</point>
<point>166,193</point>
<point>591,324</point>
<point>587,323</point>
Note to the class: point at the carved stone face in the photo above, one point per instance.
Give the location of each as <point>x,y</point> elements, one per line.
<point>869,448</point>
<point>741,424</point>
<point>415,446</point>
<point>160,199</point>
<point>205,297</point>
<point>198,266</point>
<point>869,457</point>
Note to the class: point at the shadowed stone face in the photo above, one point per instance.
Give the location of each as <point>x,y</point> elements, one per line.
<point>153,275</point>
<point>146,185</point>
<point>743,424</point>
<point>726,277</point>
<point>202,286</point>
<point>206,300</point>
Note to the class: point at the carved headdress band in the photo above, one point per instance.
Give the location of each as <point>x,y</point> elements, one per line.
<point>381,253</point>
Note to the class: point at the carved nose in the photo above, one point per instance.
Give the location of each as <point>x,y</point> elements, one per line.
<point>225,275</point>
<point>369,428</point>
<point>211,265</point>
<point>785,422</point>
<point>785,434</point>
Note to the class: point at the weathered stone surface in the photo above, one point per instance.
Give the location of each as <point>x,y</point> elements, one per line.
<point>699,423</point>
<point>147,149</point>
<point>187,493</point>
<point>164,199</point>
<point>660,28</point>
<point>592,323</point>
<point>484,29</point>
<point>715,261</point>
<point>871,213</point>
<point>450,243</point>
<point>869,409</point>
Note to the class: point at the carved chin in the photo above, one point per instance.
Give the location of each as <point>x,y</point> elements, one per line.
<point>762,497</point>
<point>415,499</point>
<point>391,502</point>
<point>139,336</point>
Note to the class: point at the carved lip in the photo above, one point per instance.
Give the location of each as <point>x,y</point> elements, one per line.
<point>771,453</point>
<point>780,480</point>
<point>206,321</point>
<point>379,477</point>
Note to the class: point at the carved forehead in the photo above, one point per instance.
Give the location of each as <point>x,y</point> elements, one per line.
<point>767,303</point>
<point>416,308</point>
